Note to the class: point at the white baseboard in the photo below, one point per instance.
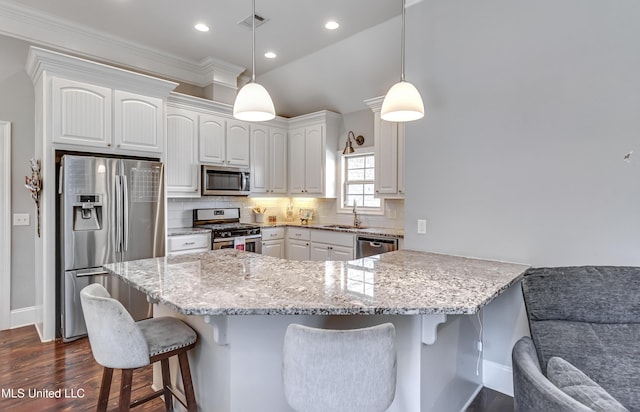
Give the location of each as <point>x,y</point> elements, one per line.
<point>23,317</point>
<point>497,377</point>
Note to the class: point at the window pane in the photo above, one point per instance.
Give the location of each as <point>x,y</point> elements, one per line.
<point>357,174</point>
<point>356,198</point>
<point>369,161</point>
<point>371,201</point>
<point>368,188</point>
<point>355,162</point>
<point>369,174</point>
<point>355,189</point>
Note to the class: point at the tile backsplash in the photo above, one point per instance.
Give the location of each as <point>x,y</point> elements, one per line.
<point>180,211</point>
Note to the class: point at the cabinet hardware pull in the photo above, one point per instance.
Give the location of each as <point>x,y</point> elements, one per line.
<point>189,243</point>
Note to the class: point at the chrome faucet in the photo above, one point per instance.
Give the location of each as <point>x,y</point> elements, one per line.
<point>356,219</point>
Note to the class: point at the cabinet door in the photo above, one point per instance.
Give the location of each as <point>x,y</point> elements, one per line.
<point>237,143</point>
<point>260,159</point>
<point>386,178</point>
<point>213,130</point>
<point>297,161</point>
<point>81,113</point>
<point>273,248</point>
<point>341,253</point>
<point>320,251</point>
<point>297,249</point>
<point>138,122</point>
<point>278,161</point>
<point>314,159</point>
<point>183,169</point>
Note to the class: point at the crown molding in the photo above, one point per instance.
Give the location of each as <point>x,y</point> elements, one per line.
<point>41,61</point>
<point>28,24</point>
<point>375,103</point>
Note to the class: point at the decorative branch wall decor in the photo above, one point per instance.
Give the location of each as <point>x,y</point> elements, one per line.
<point>34,185</point>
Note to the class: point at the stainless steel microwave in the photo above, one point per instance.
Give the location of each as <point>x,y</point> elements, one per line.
<point>225,181</point>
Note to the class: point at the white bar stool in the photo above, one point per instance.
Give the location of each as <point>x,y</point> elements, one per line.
<point>339,370</point>
<point>118,342</point>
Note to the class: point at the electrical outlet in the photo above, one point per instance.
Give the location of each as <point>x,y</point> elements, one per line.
<point>21,219</point>
<point>422,226</point>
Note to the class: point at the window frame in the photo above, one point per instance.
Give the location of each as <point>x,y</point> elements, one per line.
<point>342,176</point>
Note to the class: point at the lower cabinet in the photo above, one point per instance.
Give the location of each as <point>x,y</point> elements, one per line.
<point>193,243</point>
<point>298,245</point>
<point>273,242</point>
<point>323,251</point>
<point>329,245</point>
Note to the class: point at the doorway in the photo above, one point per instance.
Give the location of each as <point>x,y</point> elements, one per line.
<point>5,225</point>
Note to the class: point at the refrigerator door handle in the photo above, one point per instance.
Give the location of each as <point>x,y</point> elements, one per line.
<point>125,208</point>
<point>118,225</point>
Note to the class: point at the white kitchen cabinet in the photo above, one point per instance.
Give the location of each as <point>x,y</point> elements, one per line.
<point>313,154</point>
<point>330,245</point>
<point>84,114</point>
<point>223,141</point>
<point>389,154</point>
<point>298,244</point>
<point>182,166</point>
<point>273,242</point>
<point>268,160</point>
<point>81,113</point>
<point>138,122</point>
<point>192,243</point>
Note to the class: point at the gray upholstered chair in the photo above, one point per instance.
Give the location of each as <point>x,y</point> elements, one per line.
<point>118,342</point>
<point>339,370</point>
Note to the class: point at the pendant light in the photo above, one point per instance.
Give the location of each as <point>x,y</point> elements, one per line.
<point>403,102</point>
<point>253,102</point>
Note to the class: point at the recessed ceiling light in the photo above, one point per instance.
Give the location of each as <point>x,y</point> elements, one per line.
<point>332,25</point>
<point>201,27</point>
<point>270,55</point>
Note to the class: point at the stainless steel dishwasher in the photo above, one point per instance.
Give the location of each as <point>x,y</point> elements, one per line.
<point>374,245</point>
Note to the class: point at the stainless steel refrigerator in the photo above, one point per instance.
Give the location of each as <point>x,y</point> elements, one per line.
<point>110,210</point>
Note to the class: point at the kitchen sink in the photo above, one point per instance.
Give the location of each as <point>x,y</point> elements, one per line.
<point>343,227</point>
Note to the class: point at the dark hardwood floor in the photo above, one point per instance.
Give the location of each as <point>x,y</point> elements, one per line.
<point>27,364</point>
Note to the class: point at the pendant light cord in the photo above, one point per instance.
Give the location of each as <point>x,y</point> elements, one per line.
<point>253,43</point>
<point>402,47</point>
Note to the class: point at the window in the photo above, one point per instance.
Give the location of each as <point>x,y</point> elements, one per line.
<point>358,173</point>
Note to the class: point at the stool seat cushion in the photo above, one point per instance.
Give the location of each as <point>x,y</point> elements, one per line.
<point>165,334</point>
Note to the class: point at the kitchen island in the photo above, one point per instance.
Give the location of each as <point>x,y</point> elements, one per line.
<point>241,303</point>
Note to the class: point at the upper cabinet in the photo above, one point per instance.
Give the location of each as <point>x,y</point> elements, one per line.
<point>268,160</point>
<point>82,105</point>
<point>182,166</point>
<point>389,154</point>
<point>81,113</point>
<point>224,141</point>
<point>138,122</point>
<point>313,141</point>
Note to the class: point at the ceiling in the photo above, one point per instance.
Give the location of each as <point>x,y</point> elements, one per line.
<point>294,31</point>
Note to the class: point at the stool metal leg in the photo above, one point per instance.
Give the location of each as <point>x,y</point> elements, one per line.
<point>166,384</point>
<point>105,388</point>
<point>125,390</point>
<point>186,381</point>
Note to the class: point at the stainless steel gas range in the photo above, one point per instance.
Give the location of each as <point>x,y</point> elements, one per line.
<point>226,230</point>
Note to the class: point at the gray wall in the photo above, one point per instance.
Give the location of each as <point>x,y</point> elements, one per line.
<point>531,107</point>
<point>17,106</point>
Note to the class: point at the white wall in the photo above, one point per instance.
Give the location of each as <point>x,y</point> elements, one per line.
<point>17,106</point>
<point>531,107</point>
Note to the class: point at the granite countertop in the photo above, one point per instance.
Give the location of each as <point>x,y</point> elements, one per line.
<point>187,231</point>
<point>232,282</point>
<point>374,231</point>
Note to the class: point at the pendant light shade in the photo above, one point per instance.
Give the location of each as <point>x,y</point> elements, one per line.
<point>402,102</point>
<point>253,103</point>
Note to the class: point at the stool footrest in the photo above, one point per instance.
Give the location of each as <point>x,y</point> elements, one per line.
<point>147,398</point>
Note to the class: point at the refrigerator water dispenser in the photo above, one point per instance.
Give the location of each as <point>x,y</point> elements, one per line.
<point>87,213</point>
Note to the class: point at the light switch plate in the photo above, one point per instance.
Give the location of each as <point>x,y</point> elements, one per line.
<point>21,219</point>
<point>422,226</point>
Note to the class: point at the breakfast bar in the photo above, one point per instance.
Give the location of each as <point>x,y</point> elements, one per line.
<point>240,304</point>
